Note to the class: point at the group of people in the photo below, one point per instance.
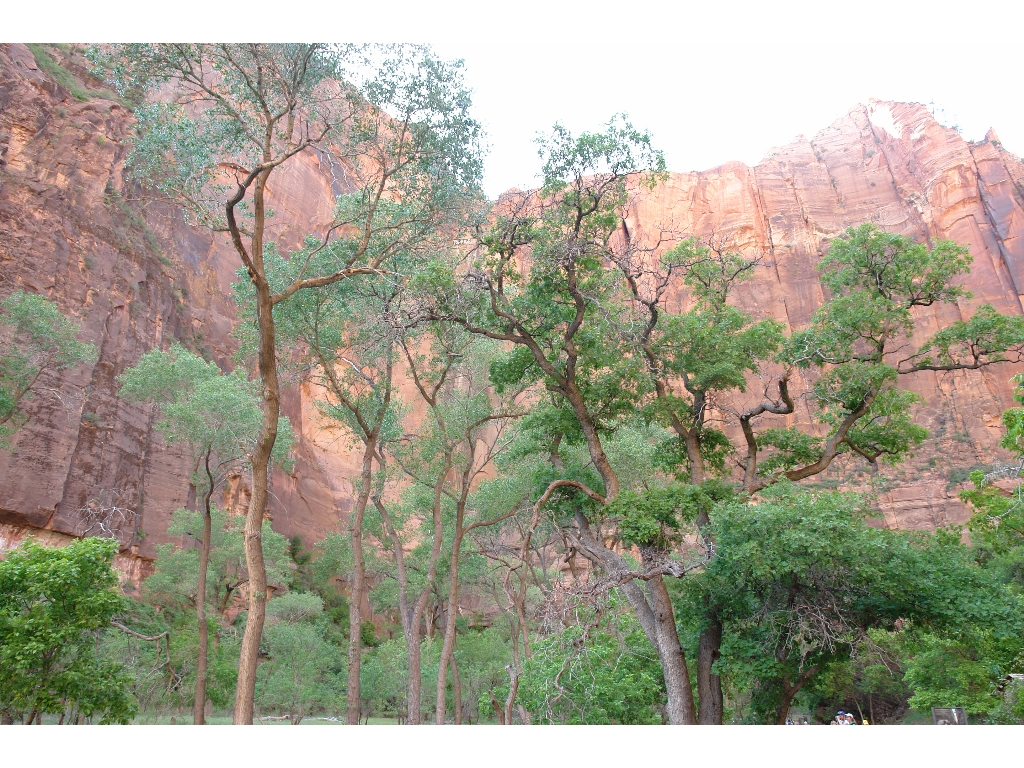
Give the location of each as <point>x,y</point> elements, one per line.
<point>845,718</point>
<point>841,718</point>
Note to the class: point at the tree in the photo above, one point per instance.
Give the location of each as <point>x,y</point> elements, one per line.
<point>693,360</point>
<point>876,279</point>
<point>349,348</point>
<point>586,674</point>
<point>400,122</point>
<point>217,416</point>
<point>559,312</point>
<point>302,673</point>
<point>38,342</point>
<point>218,565</point>
<point>800,581</point>
<point>53,605</point>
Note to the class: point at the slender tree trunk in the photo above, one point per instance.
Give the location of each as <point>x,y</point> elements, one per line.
<point>449,630</point>
<point>709,646</point>
<point>596,450</point>
<point>410,628</point>
<point>414,636</point>
<point>513,677</point>
<point>202,663</point>
<point>709,685</point>
<point>413,648</point>
<point>355,615</point>
<point>448,646</point>
<point>457,682</point>
<point>249,656</point>
<point>681,710</point>
<point>199,705</point>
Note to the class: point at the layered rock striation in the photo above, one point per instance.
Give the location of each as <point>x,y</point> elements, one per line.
<point>137,277</point>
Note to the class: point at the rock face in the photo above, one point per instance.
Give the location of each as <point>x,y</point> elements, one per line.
<point>135,279</point>
<point>138,278</point>
<point>893,165</point>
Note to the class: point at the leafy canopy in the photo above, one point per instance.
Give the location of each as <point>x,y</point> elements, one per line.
<point>53,605</point>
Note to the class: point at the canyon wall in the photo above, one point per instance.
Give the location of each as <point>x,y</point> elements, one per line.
<point>137,277</point>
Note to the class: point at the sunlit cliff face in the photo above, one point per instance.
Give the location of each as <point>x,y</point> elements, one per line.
<point>138,277</point>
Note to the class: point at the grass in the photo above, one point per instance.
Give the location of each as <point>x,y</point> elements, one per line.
<point>61,76</point>
<point>186,719</point>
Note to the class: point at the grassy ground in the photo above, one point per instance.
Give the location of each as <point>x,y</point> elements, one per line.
<point>186,719</point>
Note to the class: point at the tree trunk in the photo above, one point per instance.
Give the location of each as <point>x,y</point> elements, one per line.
<point>448,645</point>
<point>709,685</point>
<point>594,447</point>
<point>412,644</point>
<point>457,681</point>
<point>199,705</point>
<point>413,636</point>
<point>790,691</point>
<point>681,710</point>
<point>355,615</point>
<point>249,656</point>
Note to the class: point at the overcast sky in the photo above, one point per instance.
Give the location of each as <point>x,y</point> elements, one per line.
<point>712,81</point>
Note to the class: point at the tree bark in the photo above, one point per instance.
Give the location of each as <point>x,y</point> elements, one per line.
<point>355,615</point>
<point>249,656</point>
<point>202,663</point>
<point>790,691</point>
<point>449,630</point>
<point>457,684</point>
<point>709,685</point>
<point>681,709</point>
<point>414,636</point>
<point>199,705</point>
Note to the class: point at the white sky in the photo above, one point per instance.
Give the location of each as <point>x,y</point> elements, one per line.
<point>712,81</point>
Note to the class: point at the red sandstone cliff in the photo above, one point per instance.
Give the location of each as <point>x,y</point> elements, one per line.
<point>136,281</point>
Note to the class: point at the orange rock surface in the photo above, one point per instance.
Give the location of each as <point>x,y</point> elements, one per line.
<point>137,282</point>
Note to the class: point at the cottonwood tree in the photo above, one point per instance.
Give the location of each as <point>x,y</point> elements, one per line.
<point>802,580</point>
<point>875,279</point>
<point>217,417</point>
<point>441,462</point>
<point>396,120</point>
<point>474,426</point>
<point>693,360</point>
<point>558,310</point>
<point>38,342</point>
<point>170,600</point>
<point>53,605</point>
<point>347,335</point>
<point>854,346</point>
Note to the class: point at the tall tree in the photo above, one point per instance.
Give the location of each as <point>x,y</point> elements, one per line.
<point>397,118</point>
<point>349,346</point>
<point>217,416</point>
<point>693,359</point>
<point>875,280</point>
<point>541,284</point>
